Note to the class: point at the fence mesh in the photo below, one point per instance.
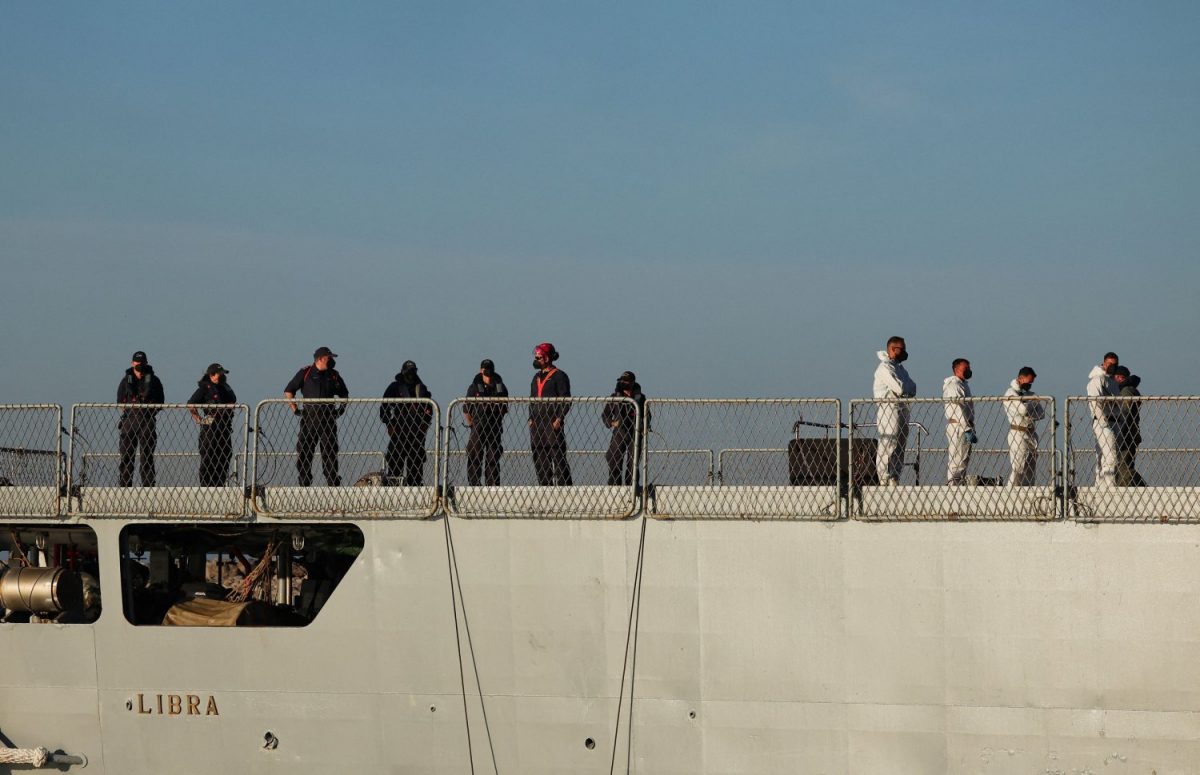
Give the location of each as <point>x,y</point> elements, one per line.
<point>986,457</point>
<point>1133,459</point>
<point>543,457</point>
<point>163,460</point>
<point>31,461</point>
<point>775,458</point>
<point>363,457</point>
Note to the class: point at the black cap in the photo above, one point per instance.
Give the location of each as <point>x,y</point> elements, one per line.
<point>627,376</point>
<point>1122,371</point>
<point>140,357</point>
<point>215,368</point>
<point>408,366</point>
<point>322,352</point>
<point>487,365</point>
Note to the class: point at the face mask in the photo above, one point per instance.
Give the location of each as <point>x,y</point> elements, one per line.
<point>1110,370</point>
<point>410,377</point>
<point>902,356</point>
<point>968,374</point>
<point>1025,386</point>
<point>537,363</point>
<point>332,363</point>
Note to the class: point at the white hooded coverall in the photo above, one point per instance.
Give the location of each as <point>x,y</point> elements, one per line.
<point>891,381</point>
<point>960,418</point>
<point>1104,424</point>
<point>1024,411</point>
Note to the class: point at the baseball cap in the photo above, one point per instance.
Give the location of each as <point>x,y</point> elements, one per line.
<point>322,352</point>
<point>487,364</point>
<point>140,357</point>
<point>215,368</point>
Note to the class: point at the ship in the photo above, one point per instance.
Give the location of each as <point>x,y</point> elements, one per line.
<point>732,587</point>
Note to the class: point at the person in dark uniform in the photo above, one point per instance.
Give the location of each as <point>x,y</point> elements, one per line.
<point>407,426</point>
<point>216,424</point>
<point>1129,428</point>
<point>318,422</point>
<point>547,436</point>
<point>626,440</point>
<point>486,420</point>
<point>138,428</point>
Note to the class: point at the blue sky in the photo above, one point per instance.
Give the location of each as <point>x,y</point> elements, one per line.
<point>735,199</point>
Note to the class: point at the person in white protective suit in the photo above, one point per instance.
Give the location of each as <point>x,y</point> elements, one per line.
<point>1024,412</point>
<point>1105,413</point>
<point>960,421</point>
<point>892,381</point>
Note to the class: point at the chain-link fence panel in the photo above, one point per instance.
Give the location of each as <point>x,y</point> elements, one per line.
<point>158,460</point>
<point>978,458</point>
<point>776,458</point>
<point>1134,458</point>
<point>359,457</point>
<point>32,470</point>
<point>572,458</point>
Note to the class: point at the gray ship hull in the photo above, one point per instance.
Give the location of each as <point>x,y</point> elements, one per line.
<point>762,647</point>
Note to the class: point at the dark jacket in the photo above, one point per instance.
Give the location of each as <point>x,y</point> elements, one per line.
<point>621,412</point>
<point>1130,434</point>
<point>486,416</point>
<point>411,417</point>
<point>146,390</point>
<point>556,385</point>
<point>208,393</point>
<point>311,382</point>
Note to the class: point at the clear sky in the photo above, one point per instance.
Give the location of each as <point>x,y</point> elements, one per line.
<point>731,199</point>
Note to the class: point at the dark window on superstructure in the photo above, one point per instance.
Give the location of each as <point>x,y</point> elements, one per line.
<point>215,575</point>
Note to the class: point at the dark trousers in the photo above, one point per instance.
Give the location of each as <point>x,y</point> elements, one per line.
<point>483,456</point>
<point>549,448</point>
<point>137,433</point>
<point>318,428</point>
<point>216,450</point>
<point>622,457</point>
<point>1127,474</point>
<point>406,457</point>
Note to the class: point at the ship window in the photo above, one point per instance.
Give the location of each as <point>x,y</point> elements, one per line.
<point>49,574</point>
<point>204,575</point>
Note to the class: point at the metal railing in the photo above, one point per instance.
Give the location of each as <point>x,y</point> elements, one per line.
<point>574,457</point>
<point>342,441</point>
<point>997,461</point>
<point>181,457</point>
<point>705,458</point>
<point>32,470</point>
<point>1133,459</point>
<point>788,451</point>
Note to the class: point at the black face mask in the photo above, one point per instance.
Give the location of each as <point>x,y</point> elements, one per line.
<point>332,363</point>
<point>1025,386</point>
<point>1110,370</point>
<point>538,364</point>
<point>902,356</point>
<point>968,374</point>
<point>410,377</point>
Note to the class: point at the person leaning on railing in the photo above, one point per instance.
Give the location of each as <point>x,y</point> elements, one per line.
<point>1129,428</point>
<point>1024,412</point>
<point>318,422</point>
<point>407,426</point>
<point>547,435</point>
<point>138,428</point>
<point>486,421</point>
<point>216,424</point>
